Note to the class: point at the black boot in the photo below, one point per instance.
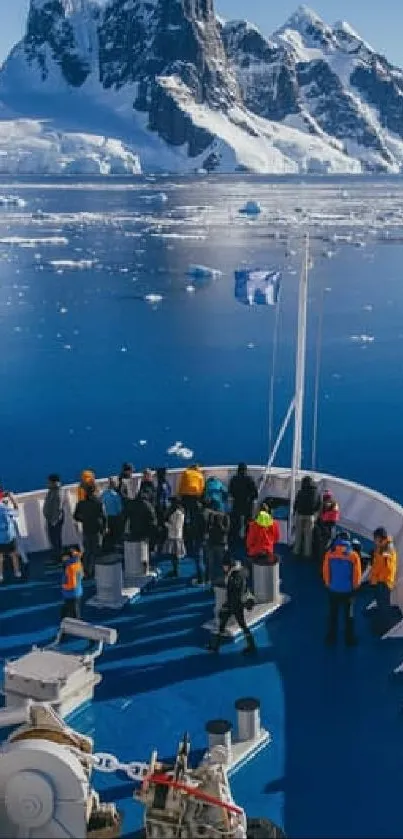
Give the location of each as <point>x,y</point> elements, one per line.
<point>250,645</point>
<point>213,645</point>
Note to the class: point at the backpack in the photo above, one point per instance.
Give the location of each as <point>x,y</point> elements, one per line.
<point>214,491</point>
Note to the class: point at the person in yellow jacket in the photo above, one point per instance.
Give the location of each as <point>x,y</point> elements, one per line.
<point>191,482</point>
<point>383,572</point>
<point>191,490</point>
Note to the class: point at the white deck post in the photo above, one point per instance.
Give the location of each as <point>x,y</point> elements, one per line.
<point>299,380</point>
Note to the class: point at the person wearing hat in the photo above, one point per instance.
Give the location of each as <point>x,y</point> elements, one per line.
<point>325,527</point>
<point>342,577</point>
<point>383,572</point>
<point>237,600</point>
<point>72,583</point>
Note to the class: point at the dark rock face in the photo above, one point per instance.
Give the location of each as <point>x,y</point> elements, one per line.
<point>48,28</point>
<point>266,74</point>
<point>382,86</point>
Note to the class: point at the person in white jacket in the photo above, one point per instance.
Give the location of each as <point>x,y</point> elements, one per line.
<point>174,545</point>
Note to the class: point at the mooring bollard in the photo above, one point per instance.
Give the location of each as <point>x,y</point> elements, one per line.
<point>219,734</point>
<point>137,558</point>
<point>109,583</point>
<point>266,580</point>
<point>248,713</point>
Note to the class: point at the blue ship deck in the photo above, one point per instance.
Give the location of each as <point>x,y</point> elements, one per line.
<point>336,757</point>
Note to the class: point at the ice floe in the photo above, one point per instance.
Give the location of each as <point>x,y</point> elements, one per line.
<point>24,242</point>
<point>251,208</point>
<point>153,298</point>
<point>180,450</point>
<point>12,201</point>
<point>363,339</point>
<point>72,264</point>
<point>202,272</point>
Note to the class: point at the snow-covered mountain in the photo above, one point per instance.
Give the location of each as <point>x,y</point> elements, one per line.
<point>164,85</point>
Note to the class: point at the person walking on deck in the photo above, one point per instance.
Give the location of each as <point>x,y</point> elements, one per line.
<point>243,493</point>
<point>234,606</point>
<point>72,584</point>
<point>113,508</point>
<point>8,539</point>
<point>383,575</point>
<point>216,546</point>
<point>91,514</point>
<point>54,513</point>
<point>174,545</point>
<point>342,577</point>
<point>307,505</point>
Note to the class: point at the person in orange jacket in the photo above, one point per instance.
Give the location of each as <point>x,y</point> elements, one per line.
<point>262,535</point>
<point>87,481</point>
<point>342,577</point>
<point>383,572</point>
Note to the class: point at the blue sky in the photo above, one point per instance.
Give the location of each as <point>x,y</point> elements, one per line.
<point>380,23</point>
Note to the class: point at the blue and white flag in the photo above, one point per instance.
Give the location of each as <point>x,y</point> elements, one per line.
<point>257,287</point>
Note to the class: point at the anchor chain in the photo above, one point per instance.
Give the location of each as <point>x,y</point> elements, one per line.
<point>109,764</point>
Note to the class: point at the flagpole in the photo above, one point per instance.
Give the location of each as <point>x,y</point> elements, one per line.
<point>299,381</point>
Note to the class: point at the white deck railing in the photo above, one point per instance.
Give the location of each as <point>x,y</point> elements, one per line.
<point>361,509</point>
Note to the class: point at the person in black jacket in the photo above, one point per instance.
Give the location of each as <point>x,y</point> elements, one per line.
<point>142,519</point>
<point>237,591</point>
<point>243,492</point>
<point>91,514</point>
<point>306,507</point>
<point>217,529</point>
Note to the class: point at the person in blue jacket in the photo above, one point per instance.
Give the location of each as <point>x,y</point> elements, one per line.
<point>8,539</point>
<point>217,492</point>
<point>113,506</point>
<point>72,584</point>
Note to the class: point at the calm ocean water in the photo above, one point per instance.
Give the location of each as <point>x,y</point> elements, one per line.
<point>89,370</point>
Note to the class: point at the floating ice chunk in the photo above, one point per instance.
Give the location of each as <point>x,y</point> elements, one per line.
<point>157,197</point>
<point>187,454</point>
<point>153,298</point>
<point>180,450</point>
<point>202,272</point>
<point>123,349</point>
<point>368,308</point>
<point>63,311</point>
<point>251,208</point>
<point>67,346</point>
<point>31,243</point>
<point>12,201</point>
<point>142,442</point>
<point>190,288</point>
<point>363,339</point>
<point>175,448</point>
<point>251,346</point>
<point>78,264</point>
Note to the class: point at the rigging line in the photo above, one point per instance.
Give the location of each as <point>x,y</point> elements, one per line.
<point>317,377</point>
<point>273,368</point>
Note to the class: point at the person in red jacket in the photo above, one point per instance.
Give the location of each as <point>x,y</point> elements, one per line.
<point>263,535</point>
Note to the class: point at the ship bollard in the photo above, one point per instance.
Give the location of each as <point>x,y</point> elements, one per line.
<point>219,734</point>
<point>266,580</point>
<point>136,559</point>
<point>109,583</point>
<point>248,714</point>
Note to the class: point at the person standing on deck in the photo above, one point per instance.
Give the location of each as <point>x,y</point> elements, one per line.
<point>325,527</point>
<point>191,489</point>
<point>342,577</point>
<point>54,513</point>
<point>113,508</point>
<point>174,545</point>
<point>383,574</point>
<point>147,486</point>
<point>8,539</point>
<point>72,584</point>
<point>128,485</point>
<point>90,513</point>
<point>87,482</point>
<point>243,492</point>
<point>307,505</point>
<point>237,592</point>
<point>217,530</point>
<point>163,495</point>
<point>262,536</point>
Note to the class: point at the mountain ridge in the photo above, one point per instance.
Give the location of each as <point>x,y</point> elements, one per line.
<point>182,91</point>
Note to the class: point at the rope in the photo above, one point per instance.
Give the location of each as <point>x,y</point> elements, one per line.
<point>273,368</point>
<point>317,378</point>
